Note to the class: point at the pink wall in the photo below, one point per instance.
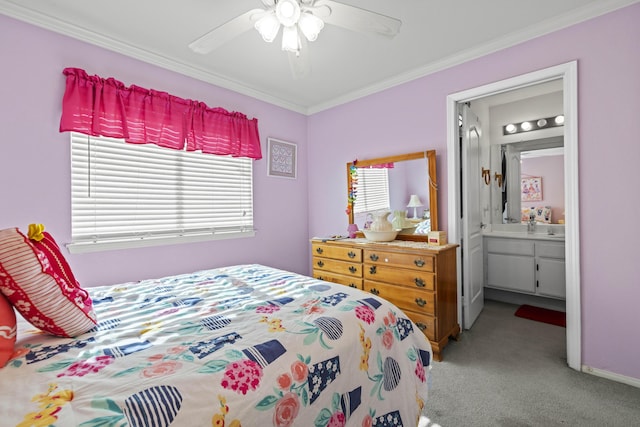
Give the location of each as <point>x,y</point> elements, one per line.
<point>551,170</point>
<point>35,171</point>
<point>412,117</point>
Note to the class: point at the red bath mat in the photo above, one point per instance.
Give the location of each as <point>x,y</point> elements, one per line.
<point>544,315</point>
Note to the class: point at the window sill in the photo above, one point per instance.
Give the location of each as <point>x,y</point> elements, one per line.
<point>140,242</point>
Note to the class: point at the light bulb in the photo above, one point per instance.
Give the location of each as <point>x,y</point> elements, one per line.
<point>559,120</point>
<point>268,27</point>
<point>542,123</point>
<point>310,25</point>
<point>511,128</point>
<point>290,39</point>
<point>525,126</point>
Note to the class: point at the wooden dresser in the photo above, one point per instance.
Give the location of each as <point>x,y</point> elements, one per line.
<point>418,279</point>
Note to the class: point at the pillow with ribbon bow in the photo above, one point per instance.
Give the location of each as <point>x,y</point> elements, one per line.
<point>36,278</point>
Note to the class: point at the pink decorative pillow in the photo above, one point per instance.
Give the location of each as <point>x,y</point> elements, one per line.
<point>7,330</point>
<point>36,278</point>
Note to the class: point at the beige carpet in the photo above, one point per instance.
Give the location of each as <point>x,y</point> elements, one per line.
<point>512,372</point>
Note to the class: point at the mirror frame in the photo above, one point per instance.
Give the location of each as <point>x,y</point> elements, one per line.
<point>430,156</point>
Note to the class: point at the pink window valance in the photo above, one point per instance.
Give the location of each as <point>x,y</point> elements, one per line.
<point>106,107</point>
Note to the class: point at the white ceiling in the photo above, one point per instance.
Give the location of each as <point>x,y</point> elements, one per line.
<point>435,34</point>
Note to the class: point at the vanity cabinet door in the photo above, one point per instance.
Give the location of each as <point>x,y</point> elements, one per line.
<point>551,277</point>
<point>511,272</point>
<point>550,265</point>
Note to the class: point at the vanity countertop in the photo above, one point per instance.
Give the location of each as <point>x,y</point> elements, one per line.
<point>525,235</point>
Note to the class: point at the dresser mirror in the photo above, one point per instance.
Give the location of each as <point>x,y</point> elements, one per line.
<point>412,174</point>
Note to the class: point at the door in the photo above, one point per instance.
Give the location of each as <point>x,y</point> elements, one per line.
<point>568,73</point>
<point>472,254</point>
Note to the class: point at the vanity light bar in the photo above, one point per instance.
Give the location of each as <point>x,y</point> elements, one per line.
<point>530,125</point>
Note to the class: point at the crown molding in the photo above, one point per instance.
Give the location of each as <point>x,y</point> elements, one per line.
<point>576,16</point>
<point>39,19</point>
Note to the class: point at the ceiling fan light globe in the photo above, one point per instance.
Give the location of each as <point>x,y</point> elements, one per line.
<point>290,39</point>
<point>268,27</point>
<point>288,12</point>
<point>310,25</point>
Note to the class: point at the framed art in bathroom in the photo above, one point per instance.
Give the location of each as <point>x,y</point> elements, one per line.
<point>531,189</point>
<point>282,158</point>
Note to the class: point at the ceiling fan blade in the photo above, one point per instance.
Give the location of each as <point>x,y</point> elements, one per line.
<point>300,63</point>
<point>225,32</point>
<point>356,19</point>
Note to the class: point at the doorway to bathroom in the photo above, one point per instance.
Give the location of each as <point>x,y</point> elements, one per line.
<point>460,219</point>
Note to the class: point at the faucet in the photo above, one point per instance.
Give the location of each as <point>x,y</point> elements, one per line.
<point>531,225</point>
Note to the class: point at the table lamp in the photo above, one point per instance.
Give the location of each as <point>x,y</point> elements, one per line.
<point>415,203</point>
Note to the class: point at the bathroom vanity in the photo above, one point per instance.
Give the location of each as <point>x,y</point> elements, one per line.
<point>528,263</point>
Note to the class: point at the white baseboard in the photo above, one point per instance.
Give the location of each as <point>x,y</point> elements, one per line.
<point>635,382</point>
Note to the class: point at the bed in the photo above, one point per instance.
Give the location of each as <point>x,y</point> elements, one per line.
<point>243,345</point>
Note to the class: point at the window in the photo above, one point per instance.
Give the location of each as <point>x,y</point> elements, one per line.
<point>129,195</point>
<point>372,190</point>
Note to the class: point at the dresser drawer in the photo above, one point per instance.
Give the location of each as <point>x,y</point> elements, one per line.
<point>407,260</point>
<point>337,252</point>
<point>353,282</point>
<point>425,323</point>
<point>335,266</point>
<point>422,302</point>
<point>414,279</point>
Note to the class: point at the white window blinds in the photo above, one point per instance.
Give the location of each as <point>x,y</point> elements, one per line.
<point>372,190</point>
<point>127,195</point>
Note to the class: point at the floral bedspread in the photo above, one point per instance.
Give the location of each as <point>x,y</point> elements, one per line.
<point>244,345</point>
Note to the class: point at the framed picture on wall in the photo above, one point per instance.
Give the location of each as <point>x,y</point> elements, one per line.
<point>531,189</point>
<point>282,158</point>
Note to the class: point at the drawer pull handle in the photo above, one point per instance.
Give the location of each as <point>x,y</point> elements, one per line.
<point>320,264</point>
<point>375,291</point>
<point>421,326</point>
<point>419,282</point>
<point>319,250</point>
<point>372,269</point>
<point>373,257</point>
<point>421,302</point>
<point>351,285</point>
<point>351,254</point>
<point>320,278</point>
<point>353,269</point>
<point>419,263</point>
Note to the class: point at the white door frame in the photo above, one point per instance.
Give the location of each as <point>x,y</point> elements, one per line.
<point>569,74</point>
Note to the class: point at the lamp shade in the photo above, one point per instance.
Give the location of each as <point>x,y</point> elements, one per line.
<point>414,201</point>
<point>290,39</point>
<point>310,25</point>
<point>268,27</point>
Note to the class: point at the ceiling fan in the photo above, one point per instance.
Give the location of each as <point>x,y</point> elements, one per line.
<point>301,21</point>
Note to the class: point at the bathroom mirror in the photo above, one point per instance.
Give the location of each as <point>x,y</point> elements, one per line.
<point>516,161</point>
<point>415,174</point>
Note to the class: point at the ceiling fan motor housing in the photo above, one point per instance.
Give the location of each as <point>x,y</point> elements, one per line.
<point>288,12</point>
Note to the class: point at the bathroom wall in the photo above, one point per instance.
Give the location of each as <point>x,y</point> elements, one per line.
<point>551,170</point>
